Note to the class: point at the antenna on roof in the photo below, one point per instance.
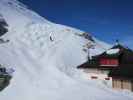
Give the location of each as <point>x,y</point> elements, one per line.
<point>117,42</point>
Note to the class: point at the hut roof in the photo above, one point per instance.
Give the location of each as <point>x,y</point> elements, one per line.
<point>122,51</point>
<point>125,57</point>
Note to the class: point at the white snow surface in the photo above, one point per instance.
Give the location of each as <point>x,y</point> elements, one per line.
<point>112,51</point>
<point>45,69</point>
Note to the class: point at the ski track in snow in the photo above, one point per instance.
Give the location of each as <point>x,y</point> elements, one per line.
<point>45,69</point>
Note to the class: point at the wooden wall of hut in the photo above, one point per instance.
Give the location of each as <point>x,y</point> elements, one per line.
<point>126,84</point>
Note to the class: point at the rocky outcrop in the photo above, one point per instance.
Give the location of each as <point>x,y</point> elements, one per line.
<point>3,26</point>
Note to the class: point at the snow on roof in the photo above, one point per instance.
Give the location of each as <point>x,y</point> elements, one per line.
<point>112,51</point>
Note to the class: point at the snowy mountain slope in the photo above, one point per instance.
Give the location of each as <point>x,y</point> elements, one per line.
<point>20,16</point>
<point>46,69</point>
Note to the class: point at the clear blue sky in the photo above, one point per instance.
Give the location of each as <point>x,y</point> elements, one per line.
<point>107,20</point>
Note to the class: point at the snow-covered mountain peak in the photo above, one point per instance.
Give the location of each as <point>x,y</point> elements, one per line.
<point>18,7</point>
<point>14,11</point>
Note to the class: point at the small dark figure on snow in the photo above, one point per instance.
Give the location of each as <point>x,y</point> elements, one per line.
<point>51,39</point>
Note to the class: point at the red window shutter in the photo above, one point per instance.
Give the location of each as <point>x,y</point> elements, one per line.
<point>113,62</point>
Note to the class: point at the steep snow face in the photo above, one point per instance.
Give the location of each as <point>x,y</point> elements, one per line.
<point>18,16</point>
<point>44,56</point>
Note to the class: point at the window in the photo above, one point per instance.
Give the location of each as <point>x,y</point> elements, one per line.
<point>94,77</point>
<point>109,62</point>
<point>107,78</point>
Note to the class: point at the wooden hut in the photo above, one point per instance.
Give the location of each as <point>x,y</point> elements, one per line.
<point>115,64</point>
